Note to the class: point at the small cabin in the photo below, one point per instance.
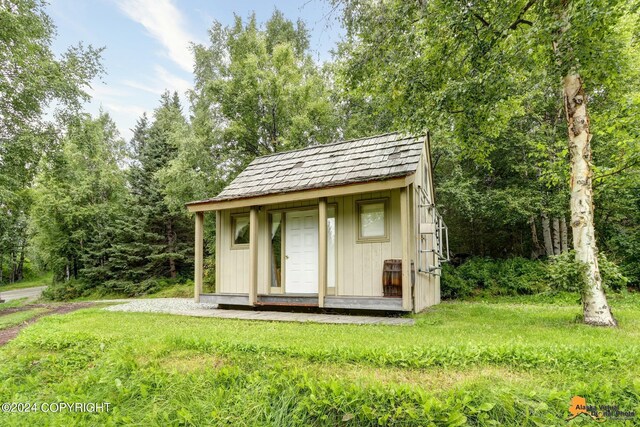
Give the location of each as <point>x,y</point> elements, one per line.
<point>347,225</point>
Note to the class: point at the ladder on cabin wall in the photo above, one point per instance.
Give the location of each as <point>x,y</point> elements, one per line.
<point>433,235</point>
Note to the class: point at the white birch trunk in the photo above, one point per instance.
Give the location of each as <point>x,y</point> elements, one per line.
<point>564,243</point>
<point>556,236</point>
<point>595,306</point>
<point>546,234</point>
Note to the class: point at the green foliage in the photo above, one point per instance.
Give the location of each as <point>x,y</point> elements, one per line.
<point>32,76</point>
<point>559,274</point>
<point>152,287</point>
<point>31,281</point>
<point>263,84</point>
<point>13,319</point>
<point>484,77</point>
<point>515,276</point>
<point>613,276</point>
<point>462,363</point>
<point>31,79</point>
<point>76,198</point>
<point>566,274</point>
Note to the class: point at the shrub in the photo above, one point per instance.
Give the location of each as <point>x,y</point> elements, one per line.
<point>515,276</point>
<point>566,274</point>
<point>612,276</point>
<point>63,291</point>
<point>520,276</point>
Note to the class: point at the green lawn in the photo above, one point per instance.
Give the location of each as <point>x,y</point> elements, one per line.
<point>8,320</point>
<point>42,280</point>
<point>464,363</point>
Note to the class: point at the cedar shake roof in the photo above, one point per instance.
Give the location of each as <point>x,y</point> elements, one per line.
<point>362,160</point>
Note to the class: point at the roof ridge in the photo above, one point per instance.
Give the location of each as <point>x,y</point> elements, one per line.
<point>335,143</point>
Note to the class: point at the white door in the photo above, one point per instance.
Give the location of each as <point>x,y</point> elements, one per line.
<point>301,252</point>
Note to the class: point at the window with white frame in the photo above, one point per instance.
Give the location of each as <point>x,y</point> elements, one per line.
<point>240,230</point>
<point>372,220</point>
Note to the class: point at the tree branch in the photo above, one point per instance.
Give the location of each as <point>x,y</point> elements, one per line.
<point>519,19</point>
<point>481,19</point>
<point>622,169</point>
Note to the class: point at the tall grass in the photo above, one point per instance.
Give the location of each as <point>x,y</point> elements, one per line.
<point>476,363</point>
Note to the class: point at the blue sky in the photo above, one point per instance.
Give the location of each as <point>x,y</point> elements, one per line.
<point>147,43</point>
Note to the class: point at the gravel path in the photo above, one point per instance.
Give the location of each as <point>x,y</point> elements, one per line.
<point>30,293</point>
<point>159,305</point>
<point>187,307</point>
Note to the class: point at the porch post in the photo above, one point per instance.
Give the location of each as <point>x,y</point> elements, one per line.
<point>322,250</point>
<point>253,255</point>
<point>406,261</point>
<point>199,250</point>
<point>218,250</point>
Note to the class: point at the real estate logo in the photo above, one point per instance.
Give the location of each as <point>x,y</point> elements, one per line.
<point>578,406</point>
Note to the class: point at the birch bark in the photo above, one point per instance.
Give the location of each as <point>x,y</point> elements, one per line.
<point>595,306</point>
<point>564,234</point>
<point>556,236</point>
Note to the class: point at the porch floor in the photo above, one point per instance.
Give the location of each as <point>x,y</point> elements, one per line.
<point>187,307</point>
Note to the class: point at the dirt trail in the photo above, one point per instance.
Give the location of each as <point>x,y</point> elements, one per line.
<point>10,333</point>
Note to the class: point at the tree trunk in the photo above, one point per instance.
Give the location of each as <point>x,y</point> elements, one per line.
<point>546,234</point>
<point>564,243</point>
<point>536,249</point>
<point>170,247</point>
<point>20,272</point>
<point>595,306</point>
<point>556,236</point>
<point>12,275</point>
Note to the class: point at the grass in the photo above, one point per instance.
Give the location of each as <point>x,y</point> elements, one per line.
<point>463,363</point>
<point>173,290</point>
<point>42,280</point>
<point>8,320</point>
<point>13,303</point>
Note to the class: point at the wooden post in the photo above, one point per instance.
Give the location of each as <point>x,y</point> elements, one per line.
<point>322,250</point>
<point>253,255</point>
<point>218,250</point>
<point>406,261</point>
<point>199,256</point>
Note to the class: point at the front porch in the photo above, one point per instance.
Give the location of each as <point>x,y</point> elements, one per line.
<point>333,302</point>
<point>340,270</point>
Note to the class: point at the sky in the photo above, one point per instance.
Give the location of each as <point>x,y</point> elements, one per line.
<point>147,43</point>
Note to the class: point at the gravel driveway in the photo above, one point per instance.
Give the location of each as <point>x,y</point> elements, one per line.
<point>187,307</point>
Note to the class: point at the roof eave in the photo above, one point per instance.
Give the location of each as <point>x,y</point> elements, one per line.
<point>385,183</point>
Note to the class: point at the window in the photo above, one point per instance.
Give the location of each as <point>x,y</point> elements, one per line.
<point>276,250</point>
<point>372,220</point>
<point>240,230</point>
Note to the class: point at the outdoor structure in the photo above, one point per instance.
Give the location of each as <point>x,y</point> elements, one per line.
<point>348,225</point>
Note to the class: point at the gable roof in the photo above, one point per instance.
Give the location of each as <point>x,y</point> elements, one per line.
<point>361,160</point>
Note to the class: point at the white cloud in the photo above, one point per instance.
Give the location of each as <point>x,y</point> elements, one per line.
<point>164,80</point>
<point>131,110</point>
<point>156,90</point>
<point>171,81</point>
<point>165,23</point>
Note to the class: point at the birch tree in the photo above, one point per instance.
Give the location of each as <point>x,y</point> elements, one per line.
<point>485,73</point>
